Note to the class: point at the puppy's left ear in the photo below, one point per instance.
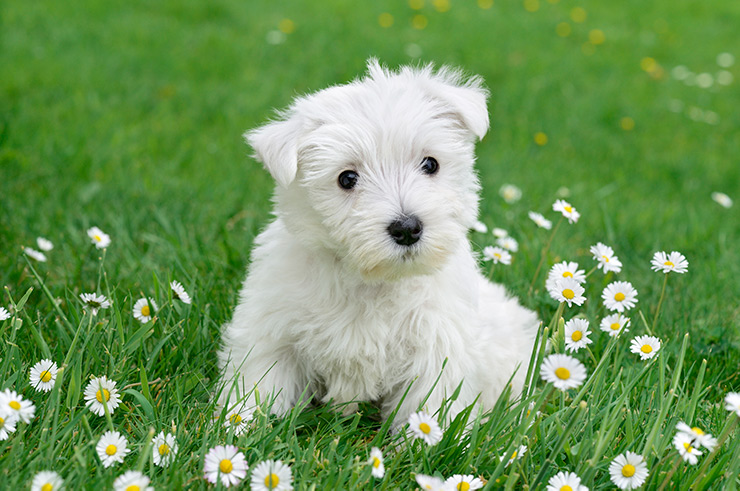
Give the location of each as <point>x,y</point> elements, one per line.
<point>275,145</point>
<point>466,98</point>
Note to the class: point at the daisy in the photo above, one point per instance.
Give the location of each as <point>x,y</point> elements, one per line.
<point>44,244</point>
<point>619,296</point>
<point>164,449</point>
<point>132,481</point>
<point>567,210</point>
<point>480,227</point>
<point>722,199</point>
<point>576,334</point>
<point>44,375</point>
<point>516,455</point>
<point>112,448</point>
<point>645,346</point>
<point>698,436</point>
<point>510,193</point>
<point>4,314</point>
<point>99,238</point>
<point>425,427</point>
<point>143,309</point>
<point>238,420</point>
<point>563,371</point>
<point>16,407</point>
<point>227,462</point>
<point>47,481</point>
<point>567,290</point>
<point>565,481</point>
<point>460,482</point>
<point>376,460</point>
<point>7,423</point>
<point>540,220</point>
<point>732,402</point>
<point>499,232</point>
<point>614,324</point>
<point>508,243</point>
<point>95,302</point>
<point>564,270</point>
<point>666,263</point>
<point>628,471</point>
<point>497,255</point>
<point>606,258</point>
<point>34,254</point>
<point>178,292</point>
<point>684,444</point>
<point>272,474</point>
<point>430,483</point>
<point>97,390</point>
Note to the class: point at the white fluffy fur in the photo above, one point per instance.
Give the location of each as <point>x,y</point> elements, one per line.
<point>331,303</point>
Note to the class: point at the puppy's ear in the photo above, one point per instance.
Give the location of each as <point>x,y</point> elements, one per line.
<point>466,98</point>
<point>275,145</point>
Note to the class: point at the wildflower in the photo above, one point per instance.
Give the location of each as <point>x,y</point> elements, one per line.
<point>645,346</point>
<point>272,474</point>
<point>567,210</point>
<point>510,193</point>
<point>7,423</point>
<point>34,254</point>
<point>565,481</point>
<point>164,449</point>
<point>508,243</point>
<point>4,314</point>
<point>698,436</point>
<point>99,238</point>
<point>540,220</point>
<point>460,482</point>
<point>43,375</point>
<point>238,420</point>
<point>684,444</point>
<point>516,455</point>
<point>132,481</point>
<point>563,371</point>
<point>499,232</point>
<point>606,258</point>
<point>16,407</point>
<point>480,227</point>
<point>178,291</point>
<point>732,402</point>
<point>376,460</point>
<point>619,296</point>
<point>614,324</point>
<point>430,483</point>
<point>568,290</point>
<point>722,199</point>
<point>95,302</point>
<point>425,427</point>
<point>99,389</point>
<point>628,471</point>
<point>666,263</point>
<point>44,244</point>
<point>564,270</point>
<point>112,448</point>
<point>47,481</point>
<point>576,334</point>
<point>497,255</point>
<point>143,309</point>
<point>228,463</point>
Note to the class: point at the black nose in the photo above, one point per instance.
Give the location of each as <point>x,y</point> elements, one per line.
<point>406,230</point>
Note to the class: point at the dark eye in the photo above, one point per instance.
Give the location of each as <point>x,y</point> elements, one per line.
<point>429,165</point>
<point>347,179</point>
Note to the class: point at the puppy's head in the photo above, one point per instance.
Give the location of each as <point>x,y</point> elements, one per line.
<point>380,171</point>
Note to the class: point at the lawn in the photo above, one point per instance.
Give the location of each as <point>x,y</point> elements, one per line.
<point>128,116</point>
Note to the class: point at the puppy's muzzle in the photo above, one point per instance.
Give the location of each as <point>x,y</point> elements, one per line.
<point>406,230</point>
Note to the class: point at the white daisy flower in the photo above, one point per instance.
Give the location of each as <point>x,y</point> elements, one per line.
<point>628,471</point>
<point>430,483</point>
<point>568,290</point>
<point>732,402</point>
<point>460,482</point>
<point>619,296</point>
<point>516,455</point>
<point>614,324</point>
<point>43,375</point>
<point>645,346</point>
<point>34,254</point>
<point>164,449</point>
<point>674,262</point>
<point>576,334</point>
<point>698,436</point>
<point>7,423</point>
<point>508,243</point>
<point>112,448</point>
<point>95,302</point>
<point>132,481</point>
<point>499,232</point>
<point>684,444</point>
<point>510,193</point>
<point>604,255</point>
<point>722,199</point>
<point>178,291</point>
<point>376,461</point>
<point>563,371</point>
<point>4,314</point>
<point>272,475</point>
<point>480,227</point>
<point>98,389</point>
<point>567,210</point>
<point>425,427</point>
<point>228,463</point>
<point>540,220</point>
<point>565,481</point>
<point>47,481</point>
<point>497,255</point>
<point>44,244</point>
<point>144,309</point>
<point>99,238</point>
<point>238,420</point>
<point>16,407</point>
<point>564,270</point>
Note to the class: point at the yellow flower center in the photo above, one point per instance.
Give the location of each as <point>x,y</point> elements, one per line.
<point>133,487</point>
<point>497,255</point>
<point>576,336</point>
<point>646,348</point>
<point>569,294</point>
<point>2,423</point>
<point>619,296</point>
<point>145,311</point>
<point>569,209</point>
<point>606,259</point>
<point>697,431</point>
<point>111,450</point>
<point>463,486</point>
<point>425,428</point>
<point>226,466</point>
<point>688,447</point>
<point>668,263</point>
<point>100,396</point>
<point>97,238</point>
<point>567,274</point>
<point>615,326</point>
<point>562,373</point>
<point>47,487</point>
<point>45,376</point>
<point>235,419</point>
<point>566,488</point>
<point>164,449</point>
<point>628,470</point>
<point>15,405</point>
<point>513,456</point>
<point>376,462</point>
<point>271,481</point>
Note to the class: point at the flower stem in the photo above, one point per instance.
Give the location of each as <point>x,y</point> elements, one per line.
<point>727,431</point>
<point>667,478</point>
<point>660,302</point>
<point>544,255</point>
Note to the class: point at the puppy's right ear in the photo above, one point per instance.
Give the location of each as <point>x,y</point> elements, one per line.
<point>275,145</point>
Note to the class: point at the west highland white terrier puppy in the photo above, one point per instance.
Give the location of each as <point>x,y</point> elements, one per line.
<point>365,282</point>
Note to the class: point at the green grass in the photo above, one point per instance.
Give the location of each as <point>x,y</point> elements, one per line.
<point>128,116</point>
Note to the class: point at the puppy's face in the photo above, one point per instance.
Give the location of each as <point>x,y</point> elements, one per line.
<point>380,171</point>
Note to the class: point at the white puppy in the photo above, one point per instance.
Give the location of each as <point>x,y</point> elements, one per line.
<point>365,283</point>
